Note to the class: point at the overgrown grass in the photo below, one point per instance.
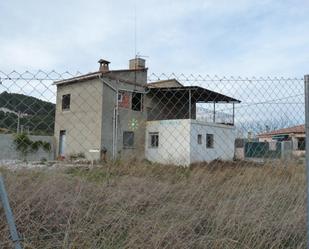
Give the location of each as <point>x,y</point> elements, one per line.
<point>141,205</point>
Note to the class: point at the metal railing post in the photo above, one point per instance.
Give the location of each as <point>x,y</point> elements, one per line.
<point>306,79</point>
<point>9,215</point>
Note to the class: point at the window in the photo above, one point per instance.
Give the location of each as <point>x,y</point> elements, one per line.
<point>128,139</point>
<point>301,143</point>
<point>209,140</point>
<point>136,101</point>
<point>66,100</point>
<point>120,97</point>
<point>153,139</point>
<point>199,139</point>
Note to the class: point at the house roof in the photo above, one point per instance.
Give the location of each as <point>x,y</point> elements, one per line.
<point>97,74</point>
<point>198,94</point>
<point>289,130</point>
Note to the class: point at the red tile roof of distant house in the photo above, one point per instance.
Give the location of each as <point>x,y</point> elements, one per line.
<point>290,130</point>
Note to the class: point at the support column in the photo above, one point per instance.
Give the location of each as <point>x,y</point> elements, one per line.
<point>190,108</point>
<point>233,113</point>
<point>214,116</point>
<point>307,149</point>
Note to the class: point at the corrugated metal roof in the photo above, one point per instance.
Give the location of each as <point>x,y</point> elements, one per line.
<point>198,94</point>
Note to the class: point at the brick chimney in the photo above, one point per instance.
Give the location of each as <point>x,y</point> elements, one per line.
<point>103,65</point>
<point>137,63</point>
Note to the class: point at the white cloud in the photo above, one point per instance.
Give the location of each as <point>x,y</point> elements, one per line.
<point>23,54</point>
<point>239,37</point>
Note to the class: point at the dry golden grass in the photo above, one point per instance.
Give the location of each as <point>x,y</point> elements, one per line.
<point>134,205</point>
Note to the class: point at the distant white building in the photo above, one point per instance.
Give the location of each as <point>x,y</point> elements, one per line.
<point>6,110</point>
<point>295,134</point>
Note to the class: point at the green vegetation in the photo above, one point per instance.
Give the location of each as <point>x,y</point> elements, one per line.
<point>41,114</point>
<point>25,145</point>
<point>221,205</point>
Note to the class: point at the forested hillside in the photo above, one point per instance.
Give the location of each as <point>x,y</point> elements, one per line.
<point>36,115</point>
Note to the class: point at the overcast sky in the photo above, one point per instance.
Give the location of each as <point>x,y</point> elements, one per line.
<point>223,37</point>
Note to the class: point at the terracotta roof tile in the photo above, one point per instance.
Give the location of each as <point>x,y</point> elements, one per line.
<point>289,130</point>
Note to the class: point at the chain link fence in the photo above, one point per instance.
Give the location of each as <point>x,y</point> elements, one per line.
<point>163,121</point>
<point>171,119</point>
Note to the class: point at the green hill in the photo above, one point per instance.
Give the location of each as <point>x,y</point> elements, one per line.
<point>37,115</point>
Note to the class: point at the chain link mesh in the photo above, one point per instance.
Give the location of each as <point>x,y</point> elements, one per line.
<point>170,119</point>
<point>194,114</point>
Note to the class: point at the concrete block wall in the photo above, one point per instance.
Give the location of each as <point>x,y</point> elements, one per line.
<point>8,149</point>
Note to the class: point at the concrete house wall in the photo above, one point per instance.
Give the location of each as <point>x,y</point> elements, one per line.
<point>83,122</point>
<point>174,142</point>
<point>224,140</point>
<point>125,118</point>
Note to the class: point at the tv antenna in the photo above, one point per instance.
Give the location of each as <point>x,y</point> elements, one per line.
<point>136,53</point>
<point>135,30</point>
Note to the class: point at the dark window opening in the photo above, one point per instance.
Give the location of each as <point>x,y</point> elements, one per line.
<point>136,101</point>
<point>154,139</point>
<point>120,97</point>
<point>199,139</point>
<point>128,139</point>
<point>66,100</point>
<point>209,140</point>
<point>301,143</point>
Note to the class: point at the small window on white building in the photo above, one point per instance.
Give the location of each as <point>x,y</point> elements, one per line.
<point>209,140</point>
<point>128,139</point>
<point>153,139</point>
<point>199,139</point>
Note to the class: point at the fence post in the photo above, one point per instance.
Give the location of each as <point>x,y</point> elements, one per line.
<point>9,215</point>
<point>306,79</point>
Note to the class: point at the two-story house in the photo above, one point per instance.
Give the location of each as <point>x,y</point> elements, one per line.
<point>117,112</point>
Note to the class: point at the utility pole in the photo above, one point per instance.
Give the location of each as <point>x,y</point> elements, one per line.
<point>18,122</point>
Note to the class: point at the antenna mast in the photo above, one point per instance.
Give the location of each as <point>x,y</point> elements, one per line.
<point>135,31</point>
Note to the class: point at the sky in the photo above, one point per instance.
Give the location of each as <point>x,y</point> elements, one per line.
<point>210,37</point>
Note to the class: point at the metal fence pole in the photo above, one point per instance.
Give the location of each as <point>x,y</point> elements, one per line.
<point>307,148</point>
<point>9,215</point>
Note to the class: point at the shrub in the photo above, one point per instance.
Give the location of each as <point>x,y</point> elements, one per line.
<point>25,145</point>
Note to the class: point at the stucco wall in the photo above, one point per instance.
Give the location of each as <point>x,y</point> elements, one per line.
<point>8,149</point>
<point>174,142</point>
<point>83,121</point>
<point>224,141</point>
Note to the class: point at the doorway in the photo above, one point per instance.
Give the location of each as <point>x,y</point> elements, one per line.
<point>62,143</point>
